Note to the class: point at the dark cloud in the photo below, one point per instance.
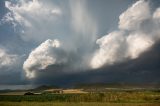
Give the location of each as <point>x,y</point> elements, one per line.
<point>12,78</point>
<point>143,70</point>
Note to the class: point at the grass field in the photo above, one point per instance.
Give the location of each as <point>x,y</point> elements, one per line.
<point>74,104</point>
<point>110,98</point>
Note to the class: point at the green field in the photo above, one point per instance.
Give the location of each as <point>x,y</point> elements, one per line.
<point>110,98</point>
<point>74,104</point>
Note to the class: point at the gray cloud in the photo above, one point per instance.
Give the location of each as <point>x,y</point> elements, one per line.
<point>142,70</point>
<point>10,67</point>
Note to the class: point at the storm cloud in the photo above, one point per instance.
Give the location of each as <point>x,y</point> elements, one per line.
<point>142,70</point>
<point>125,44</point>
<point>64,43</point>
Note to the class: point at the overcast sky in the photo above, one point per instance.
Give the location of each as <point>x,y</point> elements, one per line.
<point>65,42</point>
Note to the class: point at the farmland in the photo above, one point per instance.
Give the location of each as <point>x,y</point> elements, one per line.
<point>82,97</point>
<point>109,97</point>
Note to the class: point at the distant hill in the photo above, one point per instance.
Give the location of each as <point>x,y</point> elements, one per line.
<point>116,85</point>
<point>44,87</point>
<point>5,90</point>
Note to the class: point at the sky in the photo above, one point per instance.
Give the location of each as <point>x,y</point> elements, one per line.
<point>68,42</point>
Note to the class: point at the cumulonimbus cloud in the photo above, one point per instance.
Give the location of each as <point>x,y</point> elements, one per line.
<point>128,42</point>
<point>132,38</point>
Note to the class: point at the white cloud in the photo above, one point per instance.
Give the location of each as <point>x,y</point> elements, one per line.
<point>156,14</point>
<point>109,45</point>
<point>36,18</point>
<point>7,60</point>
<point>134,37</point>
<point>137,44</point>
<point>134,16</point>
<point>44,55</point>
